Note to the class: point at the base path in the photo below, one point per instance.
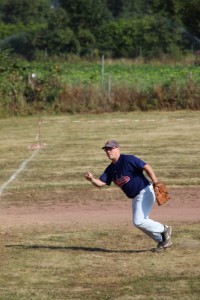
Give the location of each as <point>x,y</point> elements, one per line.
<point>183,207</point>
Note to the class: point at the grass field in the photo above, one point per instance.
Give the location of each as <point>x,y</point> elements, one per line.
<point>168,141</point>
<point>103,261</point>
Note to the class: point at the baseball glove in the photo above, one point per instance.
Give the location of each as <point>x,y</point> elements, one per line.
<point>161,193</point>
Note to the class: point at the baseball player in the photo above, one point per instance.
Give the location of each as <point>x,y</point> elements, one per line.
<point>126,171</point>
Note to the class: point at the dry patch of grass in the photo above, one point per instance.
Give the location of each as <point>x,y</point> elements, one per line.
<point>98,263</point>
<point>103,262</point>
<point>169,141</point>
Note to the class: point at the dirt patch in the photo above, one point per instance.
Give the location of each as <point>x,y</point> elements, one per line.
<point>96,208</point>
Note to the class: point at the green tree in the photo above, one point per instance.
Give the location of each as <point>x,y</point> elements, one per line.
<point>58,18</point>
<point>115,7</point>
<point>127,8</point>
<point>22,44</point>
<point>87,41</point>
<point>87,14</point>
<point>24,11</point>
<point>58,37</point>
<point>127,37</point>
<point>116,27</point>
<point>190,12</point>
<point>19,38</point>
<point>61,41</point>
<point>163,7</point>
<point>157,38</point>
<point>8,30</point>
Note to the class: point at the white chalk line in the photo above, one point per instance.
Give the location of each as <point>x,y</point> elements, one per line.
<point>119,120</point>
<point>19,170</point>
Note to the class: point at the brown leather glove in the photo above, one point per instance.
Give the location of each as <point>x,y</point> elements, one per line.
<point>161,193</point>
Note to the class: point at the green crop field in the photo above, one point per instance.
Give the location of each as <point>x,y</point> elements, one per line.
<point>142,76</point>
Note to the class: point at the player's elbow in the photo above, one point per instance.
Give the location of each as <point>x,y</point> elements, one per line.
<point>101,183</point>
<point>98,183</point>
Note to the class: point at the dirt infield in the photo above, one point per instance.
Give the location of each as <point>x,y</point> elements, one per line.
<point>182,208</point>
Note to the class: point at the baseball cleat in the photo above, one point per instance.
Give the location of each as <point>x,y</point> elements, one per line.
<point>167,236</point>
<point>166,243</point>
<point>160,247</point>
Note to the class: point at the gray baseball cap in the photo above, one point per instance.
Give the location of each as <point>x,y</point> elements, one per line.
<point>111,144</point>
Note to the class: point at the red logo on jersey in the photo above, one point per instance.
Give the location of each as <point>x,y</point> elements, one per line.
<point>121,181</point>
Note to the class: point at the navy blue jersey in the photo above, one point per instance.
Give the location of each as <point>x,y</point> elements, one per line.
<point>127,173</point>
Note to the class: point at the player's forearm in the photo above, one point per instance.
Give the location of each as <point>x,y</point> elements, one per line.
<point>95,181</point>
<point>148,169</point>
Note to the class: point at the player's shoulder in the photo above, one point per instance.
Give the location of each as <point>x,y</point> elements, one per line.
<point>130,158</point>
<point>127,156</point>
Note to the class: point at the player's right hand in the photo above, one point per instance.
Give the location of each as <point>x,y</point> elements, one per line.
<point>89,176</point>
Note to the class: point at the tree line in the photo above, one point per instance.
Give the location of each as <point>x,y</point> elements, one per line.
<point>91,28</point>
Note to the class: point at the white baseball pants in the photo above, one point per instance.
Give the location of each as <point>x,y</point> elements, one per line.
<point>141,207</point>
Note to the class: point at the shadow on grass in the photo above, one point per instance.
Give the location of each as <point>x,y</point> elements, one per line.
<point>78,248</point>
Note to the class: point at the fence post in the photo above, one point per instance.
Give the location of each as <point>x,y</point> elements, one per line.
<point>109,86</point>
<point>102,73</point>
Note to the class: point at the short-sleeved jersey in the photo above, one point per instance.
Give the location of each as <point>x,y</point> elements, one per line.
<point>127,173</point>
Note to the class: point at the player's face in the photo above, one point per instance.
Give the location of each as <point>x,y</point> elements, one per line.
<point>113,153</point>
